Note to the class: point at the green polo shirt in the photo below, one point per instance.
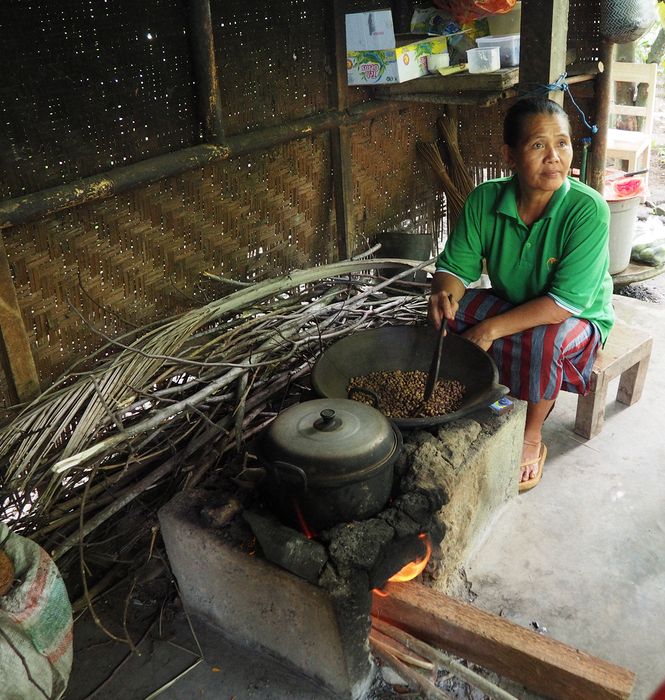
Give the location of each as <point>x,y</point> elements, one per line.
<point>564,254</point>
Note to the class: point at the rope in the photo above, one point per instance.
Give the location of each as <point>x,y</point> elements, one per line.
<point>561,84</point>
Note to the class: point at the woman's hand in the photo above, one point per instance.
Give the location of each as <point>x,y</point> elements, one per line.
<point>444,298</point>
<point>441,305</point>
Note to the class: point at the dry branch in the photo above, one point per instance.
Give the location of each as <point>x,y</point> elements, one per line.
<point>175,400</point>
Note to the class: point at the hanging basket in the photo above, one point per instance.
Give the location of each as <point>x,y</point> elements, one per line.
<point>623,21</point>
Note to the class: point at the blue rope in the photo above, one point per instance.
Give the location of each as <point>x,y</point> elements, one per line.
<point>561,84</point>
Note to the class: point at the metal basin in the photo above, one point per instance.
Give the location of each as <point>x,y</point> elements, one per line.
<point>409,348</point>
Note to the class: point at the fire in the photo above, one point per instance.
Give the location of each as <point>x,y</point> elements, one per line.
<point>413,568</point>
<point>303,523</point>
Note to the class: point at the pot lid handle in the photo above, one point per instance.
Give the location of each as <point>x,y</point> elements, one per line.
<point>328,421</point>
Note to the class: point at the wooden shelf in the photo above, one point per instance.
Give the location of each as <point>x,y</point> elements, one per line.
<point>480,89</point>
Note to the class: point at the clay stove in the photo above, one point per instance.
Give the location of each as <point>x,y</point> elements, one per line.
<point>307,601</point>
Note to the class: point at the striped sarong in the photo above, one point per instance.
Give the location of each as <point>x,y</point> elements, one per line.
<point>536,363</point>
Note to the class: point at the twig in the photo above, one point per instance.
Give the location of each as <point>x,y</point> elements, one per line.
<point>438,657</point>
<point>173,681</point>
<point>427,688</point>
<point>127,656</point>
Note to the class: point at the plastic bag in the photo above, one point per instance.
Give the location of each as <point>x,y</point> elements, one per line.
<point>649,242</point>
<point>467,10</point>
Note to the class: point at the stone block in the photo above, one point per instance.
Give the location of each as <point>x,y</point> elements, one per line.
<point>260,606</point>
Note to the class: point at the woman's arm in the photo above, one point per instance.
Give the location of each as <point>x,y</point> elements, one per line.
<point>537,312</point>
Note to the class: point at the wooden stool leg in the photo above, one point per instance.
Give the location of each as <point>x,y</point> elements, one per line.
<point>591,409</point>
<point>632,382</point>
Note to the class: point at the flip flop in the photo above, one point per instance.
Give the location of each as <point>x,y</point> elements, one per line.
<point>533,481</point>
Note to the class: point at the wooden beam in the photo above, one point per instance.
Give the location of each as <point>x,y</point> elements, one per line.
<point>596,169</point>
<point>15,352</point>
<point>202,43</point>
<point>38,204</point>
<point>340,141</point>
<point>544,33</point>
<point>543,665</point>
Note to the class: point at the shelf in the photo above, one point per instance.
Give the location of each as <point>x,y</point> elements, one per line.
<point>480,89</point>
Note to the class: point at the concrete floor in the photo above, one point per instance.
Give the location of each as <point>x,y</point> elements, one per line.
<point>583,554</point>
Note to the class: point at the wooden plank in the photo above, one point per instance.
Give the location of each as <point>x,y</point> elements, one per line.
<point>480,82</point>
<point>544,665</point>
<point>544,33</point>
<point>15,352</point>
<point>479,99</point>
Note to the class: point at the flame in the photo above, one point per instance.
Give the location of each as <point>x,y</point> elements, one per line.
<point>303,523</point>
<point>413,568</point>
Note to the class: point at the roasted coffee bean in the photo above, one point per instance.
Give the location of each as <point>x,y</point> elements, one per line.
<point>400,393</point>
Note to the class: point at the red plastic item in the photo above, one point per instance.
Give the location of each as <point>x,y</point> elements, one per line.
<point>467,10</point>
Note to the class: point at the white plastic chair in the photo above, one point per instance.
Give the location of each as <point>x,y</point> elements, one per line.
<point>623,144</point>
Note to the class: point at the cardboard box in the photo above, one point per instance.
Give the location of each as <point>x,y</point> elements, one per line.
<point>375,55</point>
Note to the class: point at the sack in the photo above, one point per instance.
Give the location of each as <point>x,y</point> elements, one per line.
<point>35,625</point>
<point>649,242</point>
<point>623,21</point>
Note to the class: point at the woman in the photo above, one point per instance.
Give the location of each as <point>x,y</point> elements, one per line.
<point>544,239</point>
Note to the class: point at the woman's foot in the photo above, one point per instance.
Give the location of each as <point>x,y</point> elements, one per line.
<point>530,458</point>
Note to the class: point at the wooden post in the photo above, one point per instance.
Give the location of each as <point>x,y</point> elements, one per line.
<point>15,353</point>
<point>340,142</point>
<point>205,69</point>
<point>544,33</point>
<point>596,170</point>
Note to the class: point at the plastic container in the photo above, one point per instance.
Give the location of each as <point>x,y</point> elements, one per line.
<point>507,22</point>
<point>436,61</point>
<point>623,216</point>
<point>483,60</point>
<point>509,47</point>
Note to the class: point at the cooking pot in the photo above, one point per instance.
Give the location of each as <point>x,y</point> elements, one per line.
<point>409,348</point>
<point>331,458</point>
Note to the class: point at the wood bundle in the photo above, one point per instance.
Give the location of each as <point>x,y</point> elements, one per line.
<point>446,161</point>
<point>154,411</point>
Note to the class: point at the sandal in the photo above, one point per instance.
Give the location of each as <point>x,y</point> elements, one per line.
<point>533,481</point>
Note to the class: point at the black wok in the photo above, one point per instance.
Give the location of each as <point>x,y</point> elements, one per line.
<point>409,348</point>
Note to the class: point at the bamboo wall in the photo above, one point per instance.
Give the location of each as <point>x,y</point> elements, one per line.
<point>98,97</point>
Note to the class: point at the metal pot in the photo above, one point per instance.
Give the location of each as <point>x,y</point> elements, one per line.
<point>409,348</point>
<point>331,458</point>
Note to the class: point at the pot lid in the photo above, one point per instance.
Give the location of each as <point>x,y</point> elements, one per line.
<point>331,439</point>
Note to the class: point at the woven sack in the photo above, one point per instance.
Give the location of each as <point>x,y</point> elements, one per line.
<point>35,625</point>
<point>623,21</point>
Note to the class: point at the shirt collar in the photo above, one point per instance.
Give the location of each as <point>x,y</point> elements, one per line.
<point>508,199</point>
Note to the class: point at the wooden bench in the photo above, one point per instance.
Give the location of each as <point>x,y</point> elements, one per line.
<point>626,353</point>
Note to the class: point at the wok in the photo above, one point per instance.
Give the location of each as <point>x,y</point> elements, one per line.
<point>409,348</point>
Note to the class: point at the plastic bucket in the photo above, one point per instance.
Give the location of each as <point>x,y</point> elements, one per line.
<point>623,216</point>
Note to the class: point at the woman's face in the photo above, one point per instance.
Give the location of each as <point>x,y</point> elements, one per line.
<point>542,157</point>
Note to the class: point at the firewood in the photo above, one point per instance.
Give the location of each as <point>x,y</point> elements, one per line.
<point>539,663</point>
<point>412,677</point>
<point>399,650</point>
<point>441,660</point>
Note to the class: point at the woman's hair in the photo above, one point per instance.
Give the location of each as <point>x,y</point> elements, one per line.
<point>518,114</point>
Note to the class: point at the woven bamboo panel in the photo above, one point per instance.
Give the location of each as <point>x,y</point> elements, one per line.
<point>90,86</point>
<point>584,29</point>
<point>274,62</point>
<point>391,183</point>
<point>138,257</point>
